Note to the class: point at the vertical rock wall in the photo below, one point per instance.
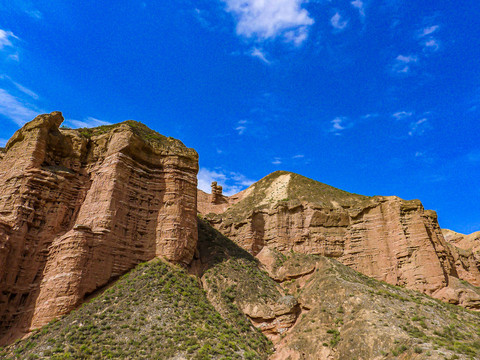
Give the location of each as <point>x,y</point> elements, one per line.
<point>78,209</point>
<point>383,237</point>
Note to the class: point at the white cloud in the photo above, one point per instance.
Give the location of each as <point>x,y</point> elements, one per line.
<point>369,116</point>
<point>241,127</point>
<point>299,156</point>
<point>337,22</point>
<point>15,109</point>
<point>5,38</point>
<point>297,36</point>
<point>432,44</point>
<point>400,115</point>
<point>429,42</point>
<point>277,161</point>
<point>25,90</point>
<point>402,63</point>
<point>36,14</point>
<point>269,19</point>
<point>20,87</point>
<point>14,57</point>
<point>428,30</point>
<point>418,127</point>
<point>232,182</point>
<point>358,4</point>
<point>88,122</point>
<point>337,124</point>
<point>260,54</point>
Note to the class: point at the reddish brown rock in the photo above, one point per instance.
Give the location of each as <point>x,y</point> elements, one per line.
<point>466,252</point>
<point>80,208</point>
<point>386,238</point>
<point>215,202</point>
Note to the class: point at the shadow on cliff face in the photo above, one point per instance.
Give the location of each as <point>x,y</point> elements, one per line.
<point>214,248</point>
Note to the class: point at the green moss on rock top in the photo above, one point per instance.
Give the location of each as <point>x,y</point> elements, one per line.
<point>152,138</point>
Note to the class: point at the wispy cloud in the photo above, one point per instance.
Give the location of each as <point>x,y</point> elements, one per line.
<point>200,16</point>
<point>402,64</point>
<point>241,127</point>
<point>431,45</point>
<point>26,7</point>
<point>337,22</point>
<point>14,57</point>
<point>474,156</point>
<point>261,19</point>
<point>88,122</point>
<point>339,124</point>
<point>277,161</point>
<point>232,182</point>
<point>260,54</point>
<point>15,109</point>
<point>299,156</point>
<point>428,30</point>
<point>297,36</point>
<point>359,4</point>
<point>369,116</point>
<point>20,87</point>
<point>427,39</point>
<point>418,127</point>
<point>400,115</point>
<point>34,13</point>
<point>25,90</point>
<point>6,38</point>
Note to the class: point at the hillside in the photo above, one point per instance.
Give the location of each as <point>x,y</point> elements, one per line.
<point>157,311</point>
<point>384,237</point>
<point>310,306</point>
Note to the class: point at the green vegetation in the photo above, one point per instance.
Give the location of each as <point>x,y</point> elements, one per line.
<point>157,311</point>
<point>149,136</point>
<point>233,279</point>
<point>298,189</point>
<point>398,321</point>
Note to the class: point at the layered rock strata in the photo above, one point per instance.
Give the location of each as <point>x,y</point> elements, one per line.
<point>384,237</point>
<point>79,208</point>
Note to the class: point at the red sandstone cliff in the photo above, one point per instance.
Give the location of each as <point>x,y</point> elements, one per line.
<point>80,208</point>
<point>387,238</point>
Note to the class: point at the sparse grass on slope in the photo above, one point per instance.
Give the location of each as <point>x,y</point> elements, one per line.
<point>351,316</point>
<point>156,311</point>
<point>298,189</point>
<point>233,278</point>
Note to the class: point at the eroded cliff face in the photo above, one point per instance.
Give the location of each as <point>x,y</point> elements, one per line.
<point>387,238</point>
<point>79,208</point>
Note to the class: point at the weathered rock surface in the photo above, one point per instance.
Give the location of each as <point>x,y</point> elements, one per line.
<point>78,208</point>
<point>384,237</point>
<point>310,306</point>
<point>346,315</point>
<point>466,253</point>
<point>235,284</point>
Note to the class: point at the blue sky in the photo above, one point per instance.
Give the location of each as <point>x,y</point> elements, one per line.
<point>374,97</point>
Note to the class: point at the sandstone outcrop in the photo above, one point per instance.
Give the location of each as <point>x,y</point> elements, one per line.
<point>233,280</point>
<point>466,252</point>
<point>215,202</point>
<point>384,237</point>
<point>79,208</point>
